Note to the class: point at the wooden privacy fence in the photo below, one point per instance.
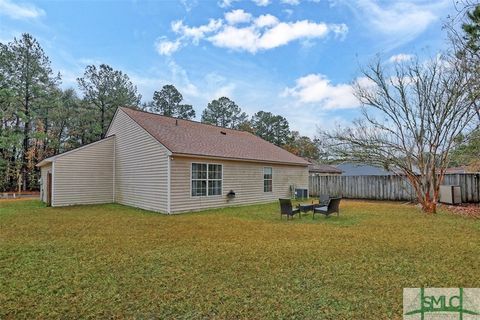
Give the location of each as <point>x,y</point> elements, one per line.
<point>388,187</point>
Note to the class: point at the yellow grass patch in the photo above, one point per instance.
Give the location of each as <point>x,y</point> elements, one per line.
<point>114,261</point>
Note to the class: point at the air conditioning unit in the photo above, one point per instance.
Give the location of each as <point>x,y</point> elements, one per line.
<point>301,193</point>
<point>450,194</point>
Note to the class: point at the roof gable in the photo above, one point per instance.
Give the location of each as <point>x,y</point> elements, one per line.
<point>185,137</point>
<point>53,158</point>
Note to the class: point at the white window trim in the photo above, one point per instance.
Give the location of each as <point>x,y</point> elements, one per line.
<point>263,180</point>
<point>191,180</point>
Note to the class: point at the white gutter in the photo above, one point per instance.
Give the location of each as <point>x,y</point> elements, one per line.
<point>168,182</point>
<point>114,168</point>
<point>53,184</point>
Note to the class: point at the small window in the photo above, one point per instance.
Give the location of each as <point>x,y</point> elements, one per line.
<point>267,179</point>
<point>206,179</point>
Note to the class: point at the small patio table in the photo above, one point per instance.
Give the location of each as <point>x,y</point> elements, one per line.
<point>305,207</point>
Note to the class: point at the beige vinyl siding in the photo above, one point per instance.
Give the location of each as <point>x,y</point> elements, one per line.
<point>44,170</point>
<point>141,166</point>
<point>244,178</point>
<point>84,175</point>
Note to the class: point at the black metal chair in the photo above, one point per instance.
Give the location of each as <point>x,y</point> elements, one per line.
<point>323,200</point>
<point>333,206</point>
<point>286,208</point>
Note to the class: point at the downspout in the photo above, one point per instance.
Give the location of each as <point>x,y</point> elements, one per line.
<point>114,167</point>
<point>168,182</point>
<point>53,184</point>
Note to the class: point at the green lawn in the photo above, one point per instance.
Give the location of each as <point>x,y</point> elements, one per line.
<point>111,261</point>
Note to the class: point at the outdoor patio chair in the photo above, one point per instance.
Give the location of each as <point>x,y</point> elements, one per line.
<point>323,199</point>
<point>333,206</point>
<point>287,209</point>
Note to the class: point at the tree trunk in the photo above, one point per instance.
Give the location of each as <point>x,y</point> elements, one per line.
<point>45,130</point>
<point>59,138</point>
<point>102,121</point>
<point>429,207</point>
<point>26,142</point>
<point>26,128</point>
<point>429,204</point>
<point>14,182</point>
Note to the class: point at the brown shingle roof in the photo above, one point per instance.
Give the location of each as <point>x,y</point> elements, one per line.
<point>185,137</point>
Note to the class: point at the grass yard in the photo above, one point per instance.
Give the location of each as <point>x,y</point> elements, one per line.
<point>111,261</point>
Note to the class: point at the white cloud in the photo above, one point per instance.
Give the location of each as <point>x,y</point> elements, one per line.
<point>196,33</point>
<point>166,47</point>
<point>229,3</point>
<point>252,39</point>
<point>288,12</point>
<point>69,77</point>
<point>401,57</point>
<point>261,3</point>
<point>147,85</point>
<point>365,83</point>
<point>317,88</point>
<point>256,33</point>
<point>291,2</point>
<point>223,91</point>
<point>266,20</point>
<point>297,2</point>
<point>20,11</point>
<point>90,61</point>
<point>180,77</point>
<point>237,16</point>
<point>401,21</point>
<point>236,38</point>
<point>226,3</point>
<point>285,32</point>
<point>189,4</point>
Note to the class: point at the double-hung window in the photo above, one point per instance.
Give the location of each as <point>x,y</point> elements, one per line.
<point>267,179</point>
<point>206,179</point>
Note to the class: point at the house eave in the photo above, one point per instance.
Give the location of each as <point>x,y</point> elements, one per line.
<point>189,155</point>
<point>45,162</point>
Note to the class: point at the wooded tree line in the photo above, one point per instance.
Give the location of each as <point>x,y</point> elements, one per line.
<point>430,113</point>
<point>40,119</point>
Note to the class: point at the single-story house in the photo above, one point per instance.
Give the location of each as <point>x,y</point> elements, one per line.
<point>171,165</point>
<point>319,169</point>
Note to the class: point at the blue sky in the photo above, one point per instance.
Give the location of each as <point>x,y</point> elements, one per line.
<point>296,58</point>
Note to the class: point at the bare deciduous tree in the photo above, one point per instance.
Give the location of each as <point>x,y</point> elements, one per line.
<point>411,116</point>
